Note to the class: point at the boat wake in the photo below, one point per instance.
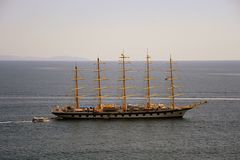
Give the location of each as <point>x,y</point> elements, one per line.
<point>10,122</point>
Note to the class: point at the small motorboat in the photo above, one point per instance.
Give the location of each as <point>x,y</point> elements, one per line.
<point>40,119</point>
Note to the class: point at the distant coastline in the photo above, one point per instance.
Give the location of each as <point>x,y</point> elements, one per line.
<point>56,58</point>
<point>72,59</point>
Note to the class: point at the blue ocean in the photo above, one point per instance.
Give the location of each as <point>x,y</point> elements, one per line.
<point>33,88</point>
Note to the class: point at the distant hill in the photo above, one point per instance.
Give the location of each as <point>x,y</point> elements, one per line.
<point>56,58</point>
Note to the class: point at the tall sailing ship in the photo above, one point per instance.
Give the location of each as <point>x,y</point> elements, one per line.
<point>125,110</point>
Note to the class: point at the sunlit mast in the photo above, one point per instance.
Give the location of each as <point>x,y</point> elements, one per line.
<point>99,84</point>
<point>172,87</point>
<point>76,87</point>
<point>124,94</point>
<point>148,82</point>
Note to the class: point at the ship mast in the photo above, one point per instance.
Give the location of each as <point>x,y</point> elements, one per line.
<point>76,87</point>
<point>124,96</point>
<point>172,84</point>
<point>148,82</point>
<point>99,84</point>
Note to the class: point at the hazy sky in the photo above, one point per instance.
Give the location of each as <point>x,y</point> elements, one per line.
<point>191,29</point>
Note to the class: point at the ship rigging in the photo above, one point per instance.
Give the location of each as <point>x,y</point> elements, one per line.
<point>125,110</point>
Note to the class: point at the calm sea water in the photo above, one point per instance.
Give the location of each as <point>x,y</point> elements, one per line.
<point>30,89</point>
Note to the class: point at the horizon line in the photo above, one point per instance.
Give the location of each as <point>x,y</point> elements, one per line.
<point>90,60</point>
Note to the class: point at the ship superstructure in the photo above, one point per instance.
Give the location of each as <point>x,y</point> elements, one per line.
<point>125,110</point>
